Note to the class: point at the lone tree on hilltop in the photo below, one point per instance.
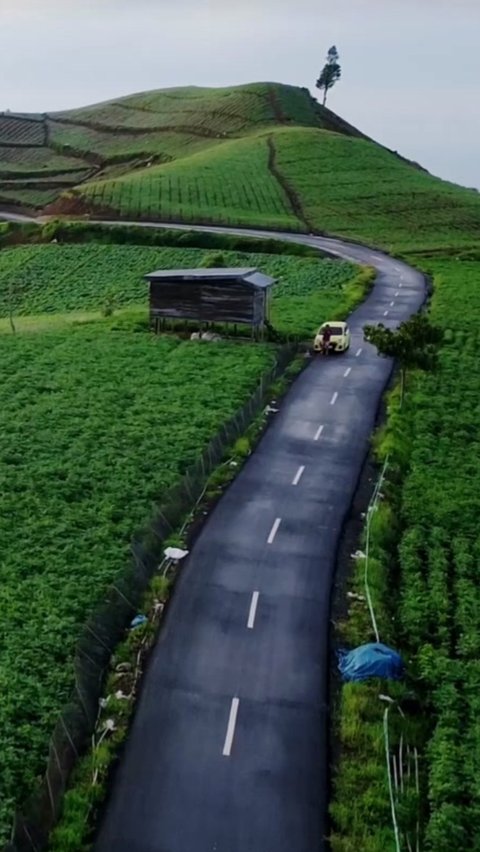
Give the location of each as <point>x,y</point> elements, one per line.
<point>414,344</point>
<point>331,73</point>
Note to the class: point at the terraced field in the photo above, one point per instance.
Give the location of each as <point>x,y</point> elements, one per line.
<point>263,154</point>
<point>231,184</point>
<point>153,127</point>
<point>300,178</point>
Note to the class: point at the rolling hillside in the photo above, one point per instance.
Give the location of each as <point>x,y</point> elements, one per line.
<point>42,155</point>
<point>262,154</point>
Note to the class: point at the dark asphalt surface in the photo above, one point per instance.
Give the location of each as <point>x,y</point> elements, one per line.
<point>175,789</point>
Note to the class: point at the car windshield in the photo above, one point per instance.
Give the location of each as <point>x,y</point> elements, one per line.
<point>334,329</point>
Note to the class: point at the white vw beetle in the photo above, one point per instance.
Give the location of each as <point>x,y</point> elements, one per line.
<point>339,337</point>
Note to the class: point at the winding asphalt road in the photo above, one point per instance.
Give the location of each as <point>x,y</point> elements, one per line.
<point>228,749</point>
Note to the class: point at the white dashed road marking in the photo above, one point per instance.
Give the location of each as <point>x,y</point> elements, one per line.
<point>319,433</point>
<point>227,748</point>
<point>334,398</point>
<point>392,304</point>
<point>397,293</point>
<point>274,531</point>
<point>358,353</point>
<point>347,372</point>
<point>298,475</point>
<point>385,313</point>
<point>253,610</point>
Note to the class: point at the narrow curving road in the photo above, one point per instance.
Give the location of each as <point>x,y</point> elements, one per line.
<point>228,749</point>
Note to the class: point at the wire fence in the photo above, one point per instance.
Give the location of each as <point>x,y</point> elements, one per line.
<point>394,767</point>
<point>105,628</point>
<point>372,507</point>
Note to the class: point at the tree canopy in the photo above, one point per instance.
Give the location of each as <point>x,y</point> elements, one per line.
<point>330,74</point>
<point>414,344</point>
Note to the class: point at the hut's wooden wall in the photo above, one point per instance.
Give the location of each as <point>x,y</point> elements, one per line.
<point>219,301</point>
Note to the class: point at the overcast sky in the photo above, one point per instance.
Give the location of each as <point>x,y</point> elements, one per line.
<point>411,68</point>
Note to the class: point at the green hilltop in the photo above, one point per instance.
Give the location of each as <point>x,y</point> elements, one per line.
<point>263,154</point>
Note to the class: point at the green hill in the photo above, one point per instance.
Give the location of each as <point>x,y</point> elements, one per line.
<point>262,154</point>
<point>40,155</point>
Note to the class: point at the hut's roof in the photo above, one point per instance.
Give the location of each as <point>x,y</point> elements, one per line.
<point>251,277</point>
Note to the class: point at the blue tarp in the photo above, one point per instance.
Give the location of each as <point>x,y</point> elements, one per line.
<point>374,660</point>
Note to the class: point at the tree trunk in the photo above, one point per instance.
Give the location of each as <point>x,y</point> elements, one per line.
<point>403,383</point>
<point>10,309</point>
<point>325,93</point>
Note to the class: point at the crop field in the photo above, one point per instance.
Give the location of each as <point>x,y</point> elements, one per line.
<point>76,398</point>
<point>19,131</point>
<point>35,197</point>
<point>425,577</point>
<point>234,185</point>
<point>161,126</point>
<point>275,174</point>
<point>36,160</point>
<point>95,424</point>
<point>48,279</point>
<point>111,147</point>
<point>335,181</point>
<point>439,559</point>
<point>330,176</point>
<point>225,112</point>
<point>355,188</point>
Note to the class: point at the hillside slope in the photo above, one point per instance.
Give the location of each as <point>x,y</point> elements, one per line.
<point>295,178</point>
<point>41,155</point>
<point>263,154</point>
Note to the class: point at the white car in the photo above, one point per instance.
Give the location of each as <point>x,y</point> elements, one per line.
<point>339,337</point>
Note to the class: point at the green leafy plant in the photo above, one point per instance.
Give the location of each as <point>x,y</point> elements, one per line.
<point>414,345</point>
